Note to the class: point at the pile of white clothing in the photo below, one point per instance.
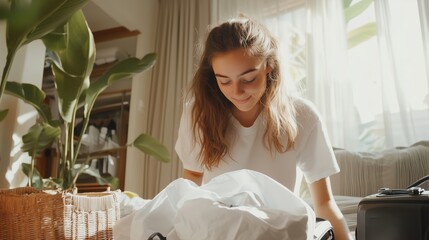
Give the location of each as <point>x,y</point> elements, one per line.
<point>237,205</point>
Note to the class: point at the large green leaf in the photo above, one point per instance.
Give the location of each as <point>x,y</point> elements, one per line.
<point>361,34</point>
<point>32,95</point>
<point>33,19</point>
<point>40,136</point>
<point>29,20</point>
<point>36,179</point>
<point>151,146</point>
<point>56,40</point>
<point>121,70</point>
<point>356,9</point>
<point>74,64</point>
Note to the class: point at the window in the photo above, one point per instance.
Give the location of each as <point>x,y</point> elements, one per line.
<point>386,72</point>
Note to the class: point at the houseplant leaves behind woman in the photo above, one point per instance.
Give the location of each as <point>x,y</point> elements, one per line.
<point>28,21</point>
<point>72,54</point>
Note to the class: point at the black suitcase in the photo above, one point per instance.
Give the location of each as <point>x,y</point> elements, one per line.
<point>395,214</point>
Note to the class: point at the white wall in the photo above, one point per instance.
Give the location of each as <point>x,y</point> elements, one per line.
<point>27,67</point>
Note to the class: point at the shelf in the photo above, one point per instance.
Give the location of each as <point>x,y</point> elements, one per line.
<point>113,33</point>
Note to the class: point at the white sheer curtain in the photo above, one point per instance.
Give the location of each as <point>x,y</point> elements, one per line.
<point>372,95</point>
<point>328,84</point>
<point>179,25</point>
<point>396,81</point>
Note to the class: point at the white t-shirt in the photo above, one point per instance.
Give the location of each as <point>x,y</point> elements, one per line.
<point>312,152</point>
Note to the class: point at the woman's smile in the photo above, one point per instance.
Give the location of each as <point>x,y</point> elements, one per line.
<point>242,101</point>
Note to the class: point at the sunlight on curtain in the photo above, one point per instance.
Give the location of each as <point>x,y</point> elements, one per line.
<point>328,84</point>
<point>389,77</point>
<point>179,27</point>
<point>368,76</point>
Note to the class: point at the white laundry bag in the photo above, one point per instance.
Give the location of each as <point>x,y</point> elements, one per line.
<point>243,204</point>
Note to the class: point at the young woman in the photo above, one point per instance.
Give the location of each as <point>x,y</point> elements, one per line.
<point>240,117</point>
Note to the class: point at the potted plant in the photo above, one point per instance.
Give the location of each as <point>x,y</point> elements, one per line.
<point>62,27</point>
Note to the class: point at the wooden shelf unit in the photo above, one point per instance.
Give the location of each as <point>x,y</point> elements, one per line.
<point>110,101</point>
<point>113,34</point>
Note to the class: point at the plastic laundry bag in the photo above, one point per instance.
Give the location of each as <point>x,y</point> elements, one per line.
<point>243,204</point>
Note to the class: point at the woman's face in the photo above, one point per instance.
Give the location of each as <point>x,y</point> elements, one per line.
<point>241,78</point>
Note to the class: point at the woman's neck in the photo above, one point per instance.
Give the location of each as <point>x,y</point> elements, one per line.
<point>246,119</point>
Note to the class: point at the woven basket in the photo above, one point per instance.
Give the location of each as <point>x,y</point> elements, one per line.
<point>28,213</point>
<point>90,215</point>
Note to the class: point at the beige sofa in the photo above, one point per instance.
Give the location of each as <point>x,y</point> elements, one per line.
<point>364,173</point>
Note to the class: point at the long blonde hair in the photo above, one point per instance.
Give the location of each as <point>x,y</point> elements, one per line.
<point>210,108</point>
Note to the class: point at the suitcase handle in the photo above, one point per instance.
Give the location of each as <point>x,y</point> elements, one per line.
<point>420,181</point>
<point>413,189</point>
<point>410,191</point>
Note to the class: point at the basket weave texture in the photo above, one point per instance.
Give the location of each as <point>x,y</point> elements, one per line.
<point>28,213</point>
<point>90,215</point>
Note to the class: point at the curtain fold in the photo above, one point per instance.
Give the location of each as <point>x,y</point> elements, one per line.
<point>391,85</point>
<point>180,24</point>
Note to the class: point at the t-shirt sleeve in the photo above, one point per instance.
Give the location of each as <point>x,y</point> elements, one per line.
<point>186,148</point>
<point>317,158</point>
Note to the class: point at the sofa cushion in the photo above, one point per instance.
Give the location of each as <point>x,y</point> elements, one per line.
<point>363,173</point>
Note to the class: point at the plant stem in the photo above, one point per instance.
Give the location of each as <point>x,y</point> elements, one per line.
<point>74,151</point>
<point>70,140</point>
<point>66,165</point>
<point>84,127</point>
<point>30,174</point>
<point>82,132</point>
<point>60,170</point>
<point>6,70</point>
